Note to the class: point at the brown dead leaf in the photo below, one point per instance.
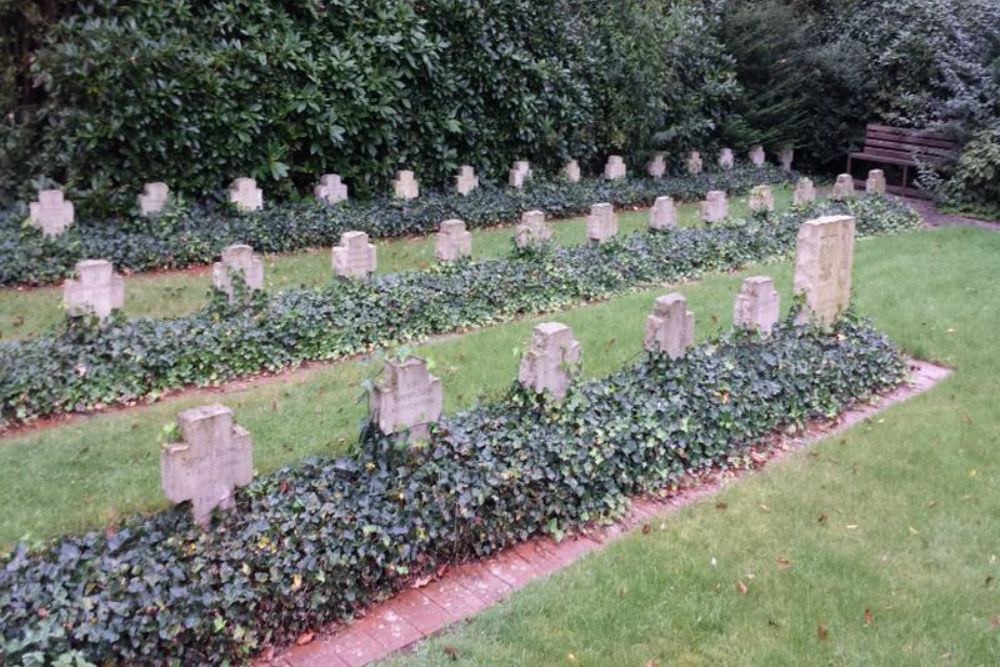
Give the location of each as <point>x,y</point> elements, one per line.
<point>989,581</point>
<point>822,517</point>
<point>451,652</point>
<point>822,632</point>
<point>782,563</point>
<point>869,618</point>
<point>741,587</point>
<point>646,528</point>
<point>305,638</point>
<point>722,507</point>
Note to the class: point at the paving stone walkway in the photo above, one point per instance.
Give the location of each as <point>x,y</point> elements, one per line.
<point>935,218</point>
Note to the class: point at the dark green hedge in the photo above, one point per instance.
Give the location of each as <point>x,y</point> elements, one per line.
<point>87,366</point>
<point>196,234</point>
<point>318,542</point>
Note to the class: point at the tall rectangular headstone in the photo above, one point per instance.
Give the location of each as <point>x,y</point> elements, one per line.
<point>407,399</point>
<point>761,198</point>
<point>663,215</point>
<point>670,328</point>
<point>615,168</point>
<point>153,198</point>
<point>786,157</point>
<point>519,173</point>
<point>405,185</point>
<point>726,158</point>
<point>758,305</point>
<point>694,165</point>
<point>466,180</point>
<point>355,256</point>
<point>602,223</point>
<point>875,182</point>
<point>330,189</point>
<point>245,195</point>
<point>571,172</point>
<point>238,259</point>
<point>843,188</point>
<point>213,457</point>
<point>98,290</point>
<point>533,229</point>
<point>824,259</point>
<point>757,156</point>
<point>715,207</point>
<point>805,191</point>
<point>657,166</point>
<point>51,213</point>
<point>452,241</point>
<point>548,364</point>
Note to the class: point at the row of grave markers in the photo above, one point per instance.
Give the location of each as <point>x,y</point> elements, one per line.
<point>214,455</point>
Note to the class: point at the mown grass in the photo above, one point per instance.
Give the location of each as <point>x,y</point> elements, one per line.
<point>26,313</point>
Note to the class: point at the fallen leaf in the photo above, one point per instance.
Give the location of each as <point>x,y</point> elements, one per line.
<point>451,652</point>
<point>741,587</point>
<point>822,517</point>
<point>869,619</point>
<point>822,632</point>
<point>932,504</point>
<point>765,508</point>
<point>913,531</point>
<point>722,507</point>
<point>782,563</point>
<point>989,581</point>
<point>852,526</point>
<point>646,528</point>
<point>305,638</point>
<point>571,657</point>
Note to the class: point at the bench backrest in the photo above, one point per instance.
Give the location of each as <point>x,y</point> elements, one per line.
<point>907,144</point>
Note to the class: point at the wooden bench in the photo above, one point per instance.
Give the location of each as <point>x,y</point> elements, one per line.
<point>904,148</point>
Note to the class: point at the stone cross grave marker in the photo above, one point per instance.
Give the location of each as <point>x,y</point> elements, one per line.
<point>532,230</point>
<point>245,194</point>
<point>615,168</point>
<point>805,191</point>
<point>657,167</point>
<point>571,172</point>
<point>153,198</point>
<point>824,259</point>
<point>670,328</point>
<point>213,457</point>
<point>694,165</point>
<point>408,398</point>
<point>240,259</point>
<point>519,173</point>
<point>97,291</point>
<point>757,156</point>
<point>51,213</point>
<point>330,189</point>
<point>602,223</point>
<point>405,185</point>
<point>466,180</point>
<point>715,207</point>
<point>876,181</point>
<point>761,198</point>
<point>549,362</point>
<point>786,157</point>
<point>452,241</point>
<point>663,215</point>
<point>726,158</point>
<point>758,305</point>
<point>355,256</point>
<point>843,188</point>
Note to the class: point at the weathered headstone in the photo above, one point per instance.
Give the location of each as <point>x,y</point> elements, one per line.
<point>758,305</point>
<point>408,398</point>
<point>615,168</point>
<point>670,328</point>
<point>571,172</point>
<point>245,194</point>
<point>726,158</point>
<point>757,156</point>
<point>98,290</point>
<point>330,189</point>
<point>657,166</point>
<point>694,165</point>
<point>51,213</point>
<point>153,198</point>
<point>213,457</point>
<point>405,185</point>
<point>715,207</point>
<point>466,180</point>
<point>355,256</point>
<point>805,191</point>
<point>843,188</point>
<point>602,223</point>
<point>824,259</point>
<point>519,173</point>
<point>786,157</point>
<point>875,182</point>
<point>238,259</point>
<point>663,215</point>
<point>532,230</point>
<point>548,363</point>
<point>761,198</point>
<point>452,241</point>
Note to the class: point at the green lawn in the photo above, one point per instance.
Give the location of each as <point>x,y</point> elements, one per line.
<point>25,313</point>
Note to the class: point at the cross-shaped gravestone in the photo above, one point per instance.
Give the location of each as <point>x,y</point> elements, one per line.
<point>405,185</point>
<point>466,180</point>
<point>663,215</point>
<point>670,328</point>
<point>153,198</point>
<point>519,173</point>
<point>571,172</point>
<point>757,156</point>
<point>330,189</point>
<point>238,259</point>
<point>715,207</point>
<point>726,158</point>
<point>213,457</point>
<point>615,168</point>
<point>785,157</point>
<point>452,242</point>
<point>51,213</point>
<point>824,259</point>
<point>355,256</point>
<point>805,191</point>
<point>694,163</point>
<point>602,223</point>
<point>97,291</point>
<point>550,361</point>
<point>409,398</point>
<point>533,229</point>
<point>876,181</point>
<point>761,198</point>
<point>657,166</point>
<point>757,305</point>
<point>843,188</point>
<point>245,194</point>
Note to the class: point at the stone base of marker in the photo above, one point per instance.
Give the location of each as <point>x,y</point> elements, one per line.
<point>245,195</point>
<point>876,182</point>
<point>785,158</point>
<point>843,188</point>
<point>549,362</point>
<point>670,328</point>
<point>97,290</point>
<point>213,457</point>
<point>657,166</point>
<point>466,180</point>
<point>238,259</point>
<point>330,189</point>
<point>51,213</point>
<point>757,156</point>
<point>715,208</point>
<point>571,172</point>
<point>408,398</point>
<point>533,230</point>
<point>824,259</point>
<point>519,173</point>
<point>602,223</point>
<point>153,198</point>
<point>452,242</point>
<point>355,256</point>
<point>726,158</point>
<point>761,199</point>
<point>694,165</point>
<point>615,168</point>
<point>663,215</point>
<point>805,192</point>
<point>405,185</point>
<point>758,305</point>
